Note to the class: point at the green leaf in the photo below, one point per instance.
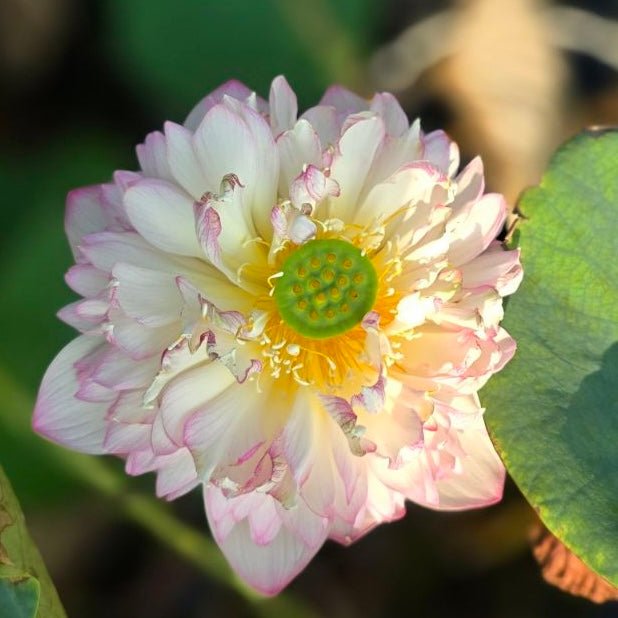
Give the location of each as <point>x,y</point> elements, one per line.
<point>26,590</point>
<point>174,52</point>
<point>553,412</point>
<point>19,596</point>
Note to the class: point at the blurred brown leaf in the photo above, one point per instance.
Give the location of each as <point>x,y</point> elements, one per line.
<point>562,568</point>
<point>503,79</point>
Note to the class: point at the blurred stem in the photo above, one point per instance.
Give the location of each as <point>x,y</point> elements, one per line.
<point>316,26</point>
<point>150,513</point>
<point>584,32</point>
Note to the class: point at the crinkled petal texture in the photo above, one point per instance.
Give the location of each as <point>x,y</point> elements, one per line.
<point>188,366</point>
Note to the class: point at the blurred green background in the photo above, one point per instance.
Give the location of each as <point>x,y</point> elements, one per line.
<point>82,82</point>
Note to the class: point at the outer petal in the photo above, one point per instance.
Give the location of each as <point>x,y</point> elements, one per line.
<point>189,391</point>
<point>119,372</point>
<point>495,268</point>
<point>105,249</point>
<point>396,152</point>
<point>397,431</point>
<point>474,227</point>
<point>226,232</point>
<point>442,151</point>
<point>84,315</point>
<point>176,474</point>
<point>232,88</point>
<point>320,458</point>
<point>84,214</point>
<point>152,156</point>
<point>268,568</point>
<point>470,183</point>
<point>461,358</point>
<point>97,208</point>
<point>86,280</point>
<point>264,190</point>
<point>61,417</point>
<point>388,107</point>
<point>344,101</point>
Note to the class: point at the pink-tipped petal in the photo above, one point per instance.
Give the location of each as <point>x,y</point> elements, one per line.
<point>267,567</point>
<point>344,101</point>
<point>176,475</point>
<point>152,156</point>
<point>84,214</point>
<point>395,119</point>
<point>441,151</point>
<point>86,280</point>
<point>61,417</point>
<point>232,88</point>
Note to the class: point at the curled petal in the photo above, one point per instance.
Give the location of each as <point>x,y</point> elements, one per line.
<point>292,223</point>
<point>479,478</point>
<point>311,187</point>
<point>371,398</point>
<point>342,413</point>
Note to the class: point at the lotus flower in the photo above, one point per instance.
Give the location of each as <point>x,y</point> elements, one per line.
<point>295,314</point>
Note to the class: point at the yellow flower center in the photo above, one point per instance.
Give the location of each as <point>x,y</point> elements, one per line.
<point>319,294</point>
